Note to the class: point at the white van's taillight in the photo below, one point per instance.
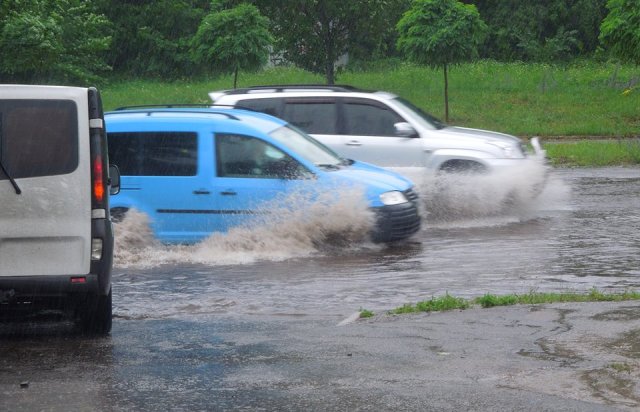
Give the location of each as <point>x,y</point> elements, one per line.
<point>96,249</point>
<point>98,180</point>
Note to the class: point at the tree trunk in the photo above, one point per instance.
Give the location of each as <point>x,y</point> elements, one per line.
<point>446,94</point>
<point>235,78</point>
<point>330,73</point>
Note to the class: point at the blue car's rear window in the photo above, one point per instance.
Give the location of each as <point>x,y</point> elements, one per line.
<point>154,153</point>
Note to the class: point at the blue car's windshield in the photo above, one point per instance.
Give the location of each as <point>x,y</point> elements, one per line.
<point>306,146</point>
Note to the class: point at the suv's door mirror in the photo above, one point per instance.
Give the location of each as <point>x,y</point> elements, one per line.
<point>114,180</point>
<point>404,129</point>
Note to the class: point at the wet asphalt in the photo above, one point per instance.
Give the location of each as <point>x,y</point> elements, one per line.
<point>280,336</point>
<point>556,357</point>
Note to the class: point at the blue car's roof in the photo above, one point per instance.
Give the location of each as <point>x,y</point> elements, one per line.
<point>221,116</point>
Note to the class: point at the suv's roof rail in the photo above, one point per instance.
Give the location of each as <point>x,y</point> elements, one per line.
<point>151,108</point>
<point>284,87</point>
<point>165,106</point>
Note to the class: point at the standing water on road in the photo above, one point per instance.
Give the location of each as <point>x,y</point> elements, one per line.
<point>579,233</point>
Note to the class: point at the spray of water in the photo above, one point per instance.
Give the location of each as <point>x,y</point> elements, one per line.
<point>302,225</point>
<point>505,195</point>
<point>297,225</point>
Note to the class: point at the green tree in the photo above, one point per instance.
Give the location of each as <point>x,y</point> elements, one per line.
<point>549,30</point>
<point>314,34</point>
<point>52,41</point>
<point>151,38</point>
<point>620,30</point>
<point>233,39</point>
<point>440,33</point>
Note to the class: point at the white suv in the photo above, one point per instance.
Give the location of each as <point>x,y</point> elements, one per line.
<point>382,128</point>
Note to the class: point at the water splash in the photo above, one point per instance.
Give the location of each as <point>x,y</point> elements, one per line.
<point>298,225</point>
<point>503,196</point>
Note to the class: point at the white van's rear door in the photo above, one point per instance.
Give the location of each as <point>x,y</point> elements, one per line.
<point>45,213</point>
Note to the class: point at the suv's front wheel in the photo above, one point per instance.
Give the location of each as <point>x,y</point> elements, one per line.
<point>460,166</point>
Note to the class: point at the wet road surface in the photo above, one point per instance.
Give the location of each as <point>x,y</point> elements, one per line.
<point>260,333</point>
<point>581,233</point>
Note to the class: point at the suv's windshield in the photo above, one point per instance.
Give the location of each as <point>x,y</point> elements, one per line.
<point>433,121</point>
<point>306,146</point>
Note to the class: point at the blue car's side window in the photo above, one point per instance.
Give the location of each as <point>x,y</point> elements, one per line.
<point>154,153</point>
<point>249,157</point>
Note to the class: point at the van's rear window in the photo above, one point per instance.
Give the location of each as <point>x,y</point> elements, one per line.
<point>38,137</point>
<point>154,153</point>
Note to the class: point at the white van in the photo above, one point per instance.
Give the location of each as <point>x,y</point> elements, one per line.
<point>56,239</point>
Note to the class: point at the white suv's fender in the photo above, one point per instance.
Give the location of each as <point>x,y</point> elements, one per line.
<point>436,159</point>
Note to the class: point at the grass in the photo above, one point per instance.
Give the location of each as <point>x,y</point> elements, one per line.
<point>582,99</point>
<point>448,302</point>
<point>435,304</point>
<point>533,298</point>
<point>594,153</point>
<point>620,367</point>
<point>364,313</point>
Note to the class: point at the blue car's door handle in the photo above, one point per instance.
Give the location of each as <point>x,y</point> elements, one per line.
<point>201,192</point>
<point>228,192</point>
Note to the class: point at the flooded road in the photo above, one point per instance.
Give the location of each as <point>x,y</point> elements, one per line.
<point>254,320</point>
<point>580,233</point>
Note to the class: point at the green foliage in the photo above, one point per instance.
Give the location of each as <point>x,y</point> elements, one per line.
<point>540,31</point>
<point>435,304</point>
<point>440,32</point>
<point>364,313</point>
<point>233,39</point>
<point>489,300</point>
<point>534,298</point>
<point>57,41</point>
<point>621,367</point>
<point>448,302</point>
<point>620,30</point>
<point>314,34</point>
<point>151,38</point>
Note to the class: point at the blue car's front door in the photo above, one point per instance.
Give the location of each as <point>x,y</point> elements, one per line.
<point>253,179</point>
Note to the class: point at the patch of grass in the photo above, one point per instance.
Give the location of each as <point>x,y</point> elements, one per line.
<point>594,152</point>
<point>620,367</point>
<point>364,313</point>
<point>449,302</point>
<point>435,304</point>
<point>488,300</point>
<point>581,99</point>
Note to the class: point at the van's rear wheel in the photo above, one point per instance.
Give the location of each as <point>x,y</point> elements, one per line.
<point>95,314</point>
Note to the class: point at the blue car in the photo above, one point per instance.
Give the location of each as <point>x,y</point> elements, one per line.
<point>195,171</point>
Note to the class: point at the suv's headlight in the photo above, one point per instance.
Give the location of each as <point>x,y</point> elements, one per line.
<point>393,198</point>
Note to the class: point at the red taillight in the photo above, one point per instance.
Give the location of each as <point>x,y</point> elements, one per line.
<point>98,183</point>
<point>79,279</point>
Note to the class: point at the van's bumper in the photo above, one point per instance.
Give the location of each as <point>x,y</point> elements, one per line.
<point>43,290</point>
<point>396,222</point>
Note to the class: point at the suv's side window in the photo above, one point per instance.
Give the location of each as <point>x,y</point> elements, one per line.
<point>313,115</point>
<point>154,153</point>
<point>268,106</point>
<point>369,118</point>
<point>249,157</point>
